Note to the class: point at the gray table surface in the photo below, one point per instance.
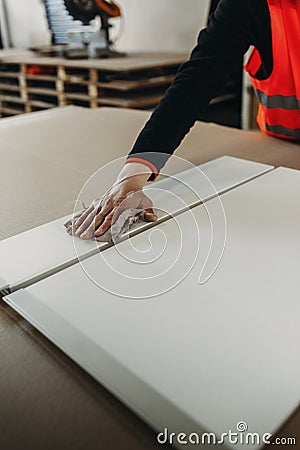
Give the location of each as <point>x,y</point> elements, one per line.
<point>47,401</point>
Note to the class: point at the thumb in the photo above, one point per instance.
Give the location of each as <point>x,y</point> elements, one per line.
<point>149,215</point>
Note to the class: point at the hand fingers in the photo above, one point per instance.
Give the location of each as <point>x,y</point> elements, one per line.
<point>89,231</point>
<point>86,223</point>
<point>93,220</point>
<point>97,219</point>
<point>149,215</point>
<point>105,225</point>
<point>94,206</point>
<point>83,216</point>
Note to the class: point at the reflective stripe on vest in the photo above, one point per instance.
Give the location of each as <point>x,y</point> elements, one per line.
<point>288,102</point>
<point>283,131</point>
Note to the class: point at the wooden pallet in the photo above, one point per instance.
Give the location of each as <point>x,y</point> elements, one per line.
<point>138,81</point>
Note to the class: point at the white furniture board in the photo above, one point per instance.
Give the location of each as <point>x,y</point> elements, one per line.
<point>44,250</point>
<point>199,357</point>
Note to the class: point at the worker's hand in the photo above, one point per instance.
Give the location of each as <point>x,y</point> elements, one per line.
<point>126,193</point>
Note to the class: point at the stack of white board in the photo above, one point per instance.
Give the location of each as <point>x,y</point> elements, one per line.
<point>32,255</point>
<point>191,357</point>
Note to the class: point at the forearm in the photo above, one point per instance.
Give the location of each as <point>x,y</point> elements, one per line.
<point>218,53</point>
<point>195,85</point>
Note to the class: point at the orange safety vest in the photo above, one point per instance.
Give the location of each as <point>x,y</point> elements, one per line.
<point>279,95</point>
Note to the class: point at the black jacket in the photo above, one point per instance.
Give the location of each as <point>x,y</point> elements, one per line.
<point>234,26</point>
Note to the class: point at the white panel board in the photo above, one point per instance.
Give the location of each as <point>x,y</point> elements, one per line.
<point>198,357</point>
<point>34,254</point>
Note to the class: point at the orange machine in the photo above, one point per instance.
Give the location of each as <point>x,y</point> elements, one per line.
<point>110,8</point>
<point>86,10</point>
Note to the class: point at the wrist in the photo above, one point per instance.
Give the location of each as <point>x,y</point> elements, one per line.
<point>144,162</point>
<point>134,173</point>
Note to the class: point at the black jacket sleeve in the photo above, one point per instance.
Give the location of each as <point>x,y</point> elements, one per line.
<point>220,47</point>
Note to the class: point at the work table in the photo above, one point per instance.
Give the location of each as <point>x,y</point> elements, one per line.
<point>47,401</point>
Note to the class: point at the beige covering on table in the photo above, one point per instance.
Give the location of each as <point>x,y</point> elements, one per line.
<point>46,401</point>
